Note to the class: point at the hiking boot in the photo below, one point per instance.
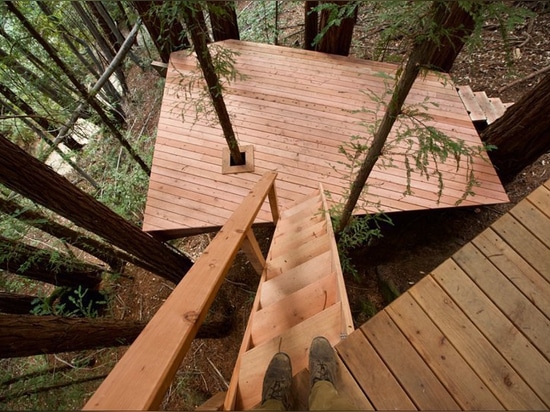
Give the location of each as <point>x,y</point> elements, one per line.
<point>278,380</point>
<point>322,361</point>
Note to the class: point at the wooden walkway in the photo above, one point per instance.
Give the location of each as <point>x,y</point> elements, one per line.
<point>295,108</point>
<point>474,334</point>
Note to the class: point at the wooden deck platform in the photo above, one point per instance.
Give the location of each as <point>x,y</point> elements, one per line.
<point>295,108</point>
<point>474,334</point>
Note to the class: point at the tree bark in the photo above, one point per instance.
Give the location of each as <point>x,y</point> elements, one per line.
<point>462,24</point>
<point>105,46</point>
<point>42,121</point>
<point>110,90</point>
<point>26,175</point>
<point>311,20</point>
<point>40,264</point>
<point>89,245</point>
<point>15,303</point>
<point>92,101</point>
<point>213,84</point>
<point>522,134</point>
<point>166,38</point>
<point>45,138</point>
<point>337,39</point>
<point>28,335</point>
<point>421,56</point>
<point>106,24</point>
<point>223,18</point>
<point>41,83</point>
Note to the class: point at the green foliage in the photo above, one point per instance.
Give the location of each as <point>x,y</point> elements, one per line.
<point>123,183</point>
<point>336,13</point>
<point>416,144</point>
<point>367,308</point>
<point>68,302</point>
<point>192,92</point>
<point>257,22</point>
<point>507,16</point>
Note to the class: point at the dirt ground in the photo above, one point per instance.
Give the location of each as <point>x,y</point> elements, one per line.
<point>416,243</point>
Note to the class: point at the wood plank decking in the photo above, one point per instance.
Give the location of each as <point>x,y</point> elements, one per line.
<point>295,108</point>
<point>475,333</point>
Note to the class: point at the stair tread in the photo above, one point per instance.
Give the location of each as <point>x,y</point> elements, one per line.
<point>290,240</point>
<point>283,284</point>
<point>292,257</point>
<point>486,106</point>
<point>311,203</point>
<point>295,342</point>
<point>471,103</point>
<point>289,311</point>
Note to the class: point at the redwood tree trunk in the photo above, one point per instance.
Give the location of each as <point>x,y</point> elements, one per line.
<point>522,134</point>
<point>223,18</point>
<point>28,176</point>
<point>42,121</point>
<point>463,24</point>
<point>15,303</point>
<point>40,264</point>
<point>92,246</point>
<point>311,20</point>
<point>27,335</point>
<point>192,19</point>
<point>167,38</point>
<point>337,40</point>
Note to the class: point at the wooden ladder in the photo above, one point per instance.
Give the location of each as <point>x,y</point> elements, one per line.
<point>301,295</point>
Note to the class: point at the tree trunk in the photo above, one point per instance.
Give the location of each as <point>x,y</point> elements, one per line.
<point>105,46</point>
<point>311,20</point>
<point>43,122</point>
<point>45,138</point>
<point>89,245</point>
<point>166,38</point>
<point>110,90</point>
<point>36,61</point>
<point>31,178</point>
<point>16,304</point>
<point>92,101</point>
<point>422,55</point>
<point>105,22</point>
<point>28,335</point>
<point>45,266</point>
<point>223,18</point>
<point>337,39</point>
<point>463,25</point>
<point>522,134</point>
<point>41,83</point>
<point>192,21</point>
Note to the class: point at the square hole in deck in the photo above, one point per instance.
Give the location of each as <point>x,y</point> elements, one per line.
<point>227,162</point>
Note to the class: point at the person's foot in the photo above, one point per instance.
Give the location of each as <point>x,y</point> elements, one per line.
<point>278,380</point>
<point>322,361</point>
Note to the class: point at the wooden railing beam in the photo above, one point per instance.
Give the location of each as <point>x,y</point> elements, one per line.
<point>140,379</point>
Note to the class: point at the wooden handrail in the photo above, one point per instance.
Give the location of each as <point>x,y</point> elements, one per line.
<point>140,379</point>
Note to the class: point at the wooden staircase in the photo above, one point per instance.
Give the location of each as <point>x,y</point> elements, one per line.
<point>483,110</point>
<point>301,295</point>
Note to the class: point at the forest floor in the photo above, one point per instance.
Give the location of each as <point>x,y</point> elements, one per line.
<point>416,244</point>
